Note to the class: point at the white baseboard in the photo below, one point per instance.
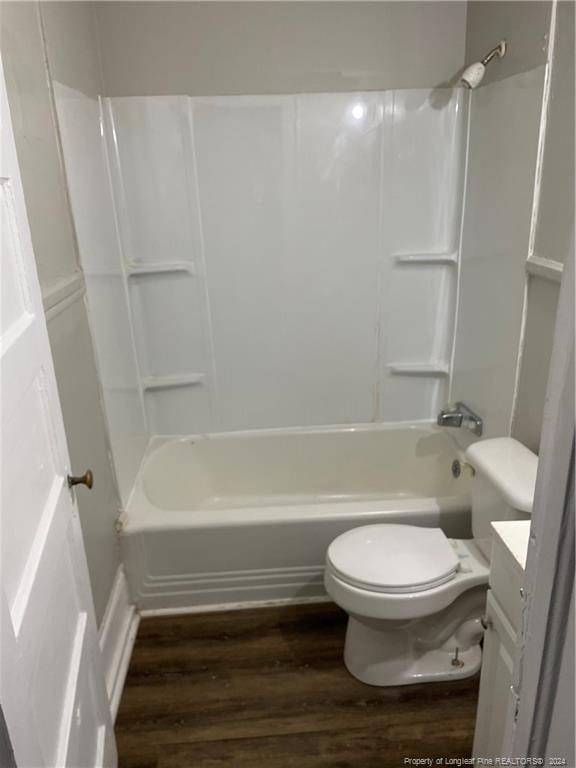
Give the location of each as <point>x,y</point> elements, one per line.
<point>117,635</point>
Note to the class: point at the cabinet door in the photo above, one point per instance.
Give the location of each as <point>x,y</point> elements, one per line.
<point>496,698</point>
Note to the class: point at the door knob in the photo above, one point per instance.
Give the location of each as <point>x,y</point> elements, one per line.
<point>86,479</point>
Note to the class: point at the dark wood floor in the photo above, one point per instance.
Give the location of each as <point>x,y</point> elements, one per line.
<point>268,688</point>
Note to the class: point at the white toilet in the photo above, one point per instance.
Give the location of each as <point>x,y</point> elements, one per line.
<point>415,598</point>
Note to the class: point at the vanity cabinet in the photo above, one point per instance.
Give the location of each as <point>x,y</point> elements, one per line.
<point>496,700</point>
<point>496,697</point>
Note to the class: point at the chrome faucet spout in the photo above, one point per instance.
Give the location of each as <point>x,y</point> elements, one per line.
<point>449,419</point>
<point>460,415</point>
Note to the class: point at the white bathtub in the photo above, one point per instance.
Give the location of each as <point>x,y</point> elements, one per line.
<point>247,516</point>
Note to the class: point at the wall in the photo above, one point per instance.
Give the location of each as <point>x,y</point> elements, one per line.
<point>498,232</point>
<point>60,277</point>
<point>555,226</point>
<point>156,48</point>
<point>37,143</point>
<point>503,144</point>
<point>524,24</point>
<point>541,305</point>
<point>553,239</point>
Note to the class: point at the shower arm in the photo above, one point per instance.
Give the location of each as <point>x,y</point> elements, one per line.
<point>496,51</point>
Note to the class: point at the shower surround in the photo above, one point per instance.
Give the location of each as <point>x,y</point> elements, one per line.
<point>269,261</point>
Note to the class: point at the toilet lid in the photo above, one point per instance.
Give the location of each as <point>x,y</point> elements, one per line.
<point>393,558</point>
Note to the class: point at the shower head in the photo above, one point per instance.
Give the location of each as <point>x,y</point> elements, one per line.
<point>472,75</point>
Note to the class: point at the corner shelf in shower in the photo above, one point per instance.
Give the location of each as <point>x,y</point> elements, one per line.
<point>151,383</point>
<point>143,270</point>
<point>419,369</point>
<point>545,268</point>
<point>426,258</point>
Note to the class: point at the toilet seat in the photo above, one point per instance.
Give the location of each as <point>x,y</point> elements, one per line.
<point>473,571</point>
<point>393,559</point>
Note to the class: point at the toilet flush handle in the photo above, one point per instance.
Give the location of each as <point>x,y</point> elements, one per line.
<point>486,623</point>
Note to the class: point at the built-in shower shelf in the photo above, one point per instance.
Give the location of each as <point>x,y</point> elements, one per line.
<point>426,258</point>
<point>150,383</point>
<point>419,369</point>
<point>546,268</point>
<point>141,270</point>
<point>119,387</point>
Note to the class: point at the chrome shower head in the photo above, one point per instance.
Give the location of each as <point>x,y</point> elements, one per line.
<point>472,75</point>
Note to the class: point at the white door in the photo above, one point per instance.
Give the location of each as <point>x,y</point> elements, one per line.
<point>52,690</point>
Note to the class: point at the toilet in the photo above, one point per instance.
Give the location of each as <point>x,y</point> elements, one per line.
<point>416,598</point>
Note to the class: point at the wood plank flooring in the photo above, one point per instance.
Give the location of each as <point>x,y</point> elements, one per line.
<point>268,688</point>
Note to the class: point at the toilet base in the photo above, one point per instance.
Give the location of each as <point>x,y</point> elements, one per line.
<point>384,653</point>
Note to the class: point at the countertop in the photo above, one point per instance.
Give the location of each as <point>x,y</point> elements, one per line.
<point>514,535</point>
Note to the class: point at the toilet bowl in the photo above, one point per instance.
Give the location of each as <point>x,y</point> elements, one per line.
<point>415,598</point>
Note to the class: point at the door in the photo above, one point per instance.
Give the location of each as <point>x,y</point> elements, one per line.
<point>52,690</point>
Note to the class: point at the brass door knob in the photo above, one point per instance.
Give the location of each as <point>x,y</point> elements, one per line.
<point>86,479</point>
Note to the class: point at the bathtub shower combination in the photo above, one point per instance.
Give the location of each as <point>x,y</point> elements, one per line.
<point>264,269</point>
<point>248,516</point>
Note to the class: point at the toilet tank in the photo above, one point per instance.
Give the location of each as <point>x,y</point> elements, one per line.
<point>502,487</point>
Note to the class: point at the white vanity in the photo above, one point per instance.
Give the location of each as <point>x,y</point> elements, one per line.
<point>503,620</point>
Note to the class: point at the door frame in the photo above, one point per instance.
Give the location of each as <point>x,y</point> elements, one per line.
<point>549,577</point>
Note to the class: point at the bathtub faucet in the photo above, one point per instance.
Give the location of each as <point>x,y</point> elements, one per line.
<point>460,415</point>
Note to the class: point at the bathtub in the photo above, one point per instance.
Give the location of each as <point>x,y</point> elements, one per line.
<point>247,516</point>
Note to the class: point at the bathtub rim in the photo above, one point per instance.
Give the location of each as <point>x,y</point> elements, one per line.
<point>157,441</point>
<point>142,515</point>
<point>151,518</point>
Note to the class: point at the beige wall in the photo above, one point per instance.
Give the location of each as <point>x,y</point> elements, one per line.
<point>555,231</point>
<point>70,30</point>
<point>502,155</point>
<point>40,165</point>
<point>526,27</point>
<point>541,308</point>
<point>56,254</point>
<point>554,237</point>
<point>205,48</point>
<point>524,24</point>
